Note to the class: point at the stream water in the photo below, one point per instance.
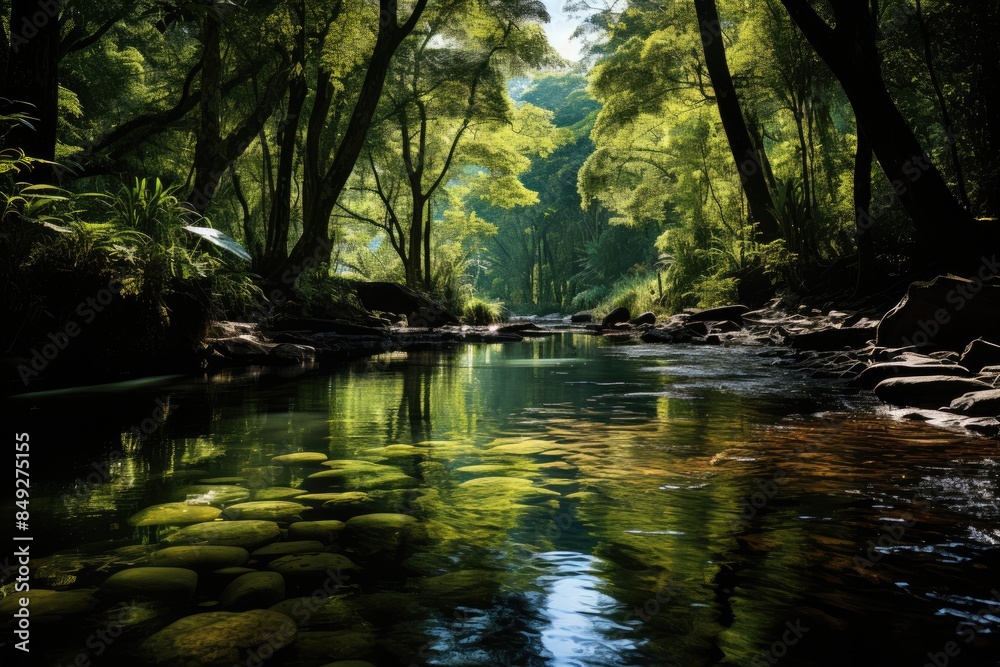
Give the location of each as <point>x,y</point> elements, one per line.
<point>575,503</point>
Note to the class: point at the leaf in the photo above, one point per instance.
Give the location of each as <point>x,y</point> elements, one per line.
<point>215,237</point>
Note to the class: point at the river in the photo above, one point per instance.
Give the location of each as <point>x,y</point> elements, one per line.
<point>576,503</point>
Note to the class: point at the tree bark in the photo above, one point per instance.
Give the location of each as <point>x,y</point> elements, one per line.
<point>745,154</point>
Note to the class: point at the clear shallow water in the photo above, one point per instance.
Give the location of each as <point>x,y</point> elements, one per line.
<point>681,506</point>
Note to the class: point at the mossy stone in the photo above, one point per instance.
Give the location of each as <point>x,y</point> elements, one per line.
<point>249,535</point>
<point>279,549</point>
<point>174,514</point>
<point>267,510</point>
<point>199,557</point>
<point>213,494</point>
<point>255,590</point>
<point>299,459</point>
<point>166,584</point>
<point>219,639</point>
<point>324,531</point>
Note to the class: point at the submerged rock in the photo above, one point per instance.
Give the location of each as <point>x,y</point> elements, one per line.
<point>932,391</point>
<point>199,557</point>
<point>267,510</point>
<point>278,493</point>
<point>319,648</point>
<point>174,514</point>
<point>314,569</point>
<point>249,535</point>
<point>300,459</point>
<point>48,605</point>
<point>361,475</point>
<point>464,587</point>
<point>213,494</point>
<point>332,611</point>
<point>279,549</point>
<point>321,531</point>
<point>256,590</point>
<point>380,533</point>
<point>167,584</point>
<point>220,639</point>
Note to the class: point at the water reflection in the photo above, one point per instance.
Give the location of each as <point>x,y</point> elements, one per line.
<point>578,504</point>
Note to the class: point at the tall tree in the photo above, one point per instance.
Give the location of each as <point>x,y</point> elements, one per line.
<point>748,154</point>
<point>850,50</point>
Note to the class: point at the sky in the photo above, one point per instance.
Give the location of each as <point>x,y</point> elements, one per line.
<point>559,30</point>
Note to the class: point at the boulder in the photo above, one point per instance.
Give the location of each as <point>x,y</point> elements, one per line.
<point>978,403</point>
<point>256,590</point>
<point>164,584</point>
<point>293,355</point>
<point>947,313</point>
<point>645,318</point>
<point>734,313</point>
<point>980,354</point>
<point>213,494</point>
<point>249,535</point>
<point>48,605</point>
<point>871,376</point>
<point>616,316</point>
<point>380,534</point>
<point>394,298</point>
<point>930,391</point>
<point>199,557</point>
<point>278,493</point>
<point>219,639</point>
<point>583,317</point>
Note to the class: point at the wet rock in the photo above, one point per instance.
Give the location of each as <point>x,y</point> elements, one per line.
<point>392,451</point>
<point>872,375</point>
<point>303,459</point>
<point>294,355</point>
<point>324,531</point>
<point>278,493</point>
<point>220,639</point>
<point>200,557</point>
<point>464,587</point>
<point>932,391</point>
<point>330,611</point>
<point>381,534</point>
<point>174,514</point>
<point>979,354</point>
<point>498,493</point>
<point>828,340</point>
<point>48,605</point>
<point>723,313</point>
<point>616,316</point>
<point>644,318</point>
<point>249,535</point>
<point>166,584</point>
<point>929,314</point>
<point>978,403</point>
<point>583,317</point>
<point>213,494</point>
<point>319,647</point>
<point>390,607</point>
<point>353,475</point>
<point>267,510</point>
<point>315,570</point>
<point>279,549</point>
<point>256,590</point>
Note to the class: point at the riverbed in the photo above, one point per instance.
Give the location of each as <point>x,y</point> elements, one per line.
<point>571,503</point>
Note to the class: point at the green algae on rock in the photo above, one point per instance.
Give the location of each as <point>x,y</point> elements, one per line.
<point>219,639</point>
<point>199,557</point>
<point>167,584</point>
<point>279,549</point>
<point>324,531</point>
<point>174,514</point>
<point>267,510</point>
<point>299,459</point>
<point>255,590</point>
<point>213,494</point>
<point>249,535</point>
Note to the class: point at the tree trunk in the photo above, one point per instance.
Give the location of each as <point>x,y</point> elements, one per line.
<point>863,159</point>
<point>748,162</point>
<point>427,247</point>
<point>31,81</point>
<point>315,244</point>
<point>850,51</point>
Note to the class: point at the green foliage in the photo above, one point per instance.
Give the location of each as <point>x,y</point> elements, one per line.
<point>480,312</point>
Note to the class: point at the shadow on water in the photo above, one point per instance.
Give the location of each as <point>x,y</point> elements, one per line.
<point>577,504</point>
